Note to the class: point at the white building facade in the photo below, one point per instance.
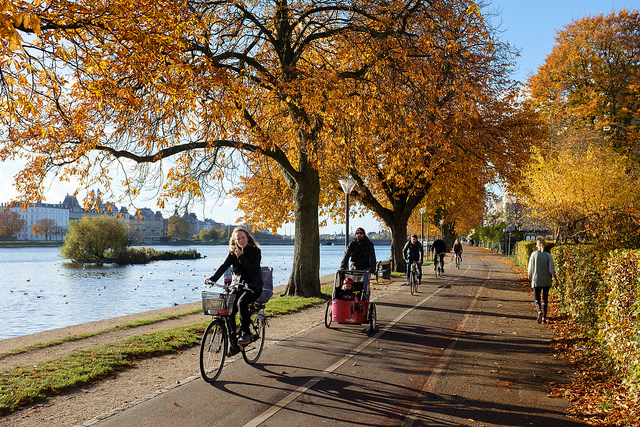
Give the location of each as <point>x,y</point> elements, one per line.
<point>41,211</point>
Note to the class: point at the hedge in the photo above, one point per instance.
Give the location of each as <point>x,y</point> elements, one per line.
<point>620,321</point>
<point>524,248</point>
<point>581,289</point>
<point>600,291</point>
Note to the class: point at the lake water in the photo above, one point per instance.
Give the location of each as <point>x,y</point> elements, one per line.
<point>42,291</point>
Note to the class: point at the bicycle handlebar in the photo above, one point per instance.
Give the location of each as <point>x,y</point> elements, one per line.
<point>227,288</point>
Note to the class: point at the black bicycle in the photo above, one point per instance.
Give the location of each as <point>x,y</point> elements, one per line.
<point>414,276</point>
<point>220,340</point>
<point>438,264</point>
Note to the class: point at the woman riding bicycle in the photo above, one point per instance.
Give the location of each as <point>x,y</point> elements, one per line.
<point>244,256</point>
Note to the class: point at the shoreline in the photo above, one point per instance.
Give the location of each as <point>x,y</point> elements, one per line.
<point>13,343</point>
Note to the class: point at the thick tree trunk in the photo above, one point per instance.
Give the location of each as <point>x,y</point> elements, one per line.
<point>305,273</point>
<point>398,240</point>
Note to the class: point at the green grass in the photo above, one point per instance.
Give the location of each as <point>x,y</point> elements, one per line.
<point>77,337</point>
<point>27,384</point>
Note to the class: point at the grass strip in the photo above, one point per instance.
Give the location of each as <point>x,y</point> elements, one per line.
<point>26,384</point>
<point>77,337</point>
<point>283,307</point>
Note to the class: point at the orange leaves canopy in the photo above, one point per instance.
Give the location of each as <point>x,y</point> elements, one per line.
<point>591,78</point>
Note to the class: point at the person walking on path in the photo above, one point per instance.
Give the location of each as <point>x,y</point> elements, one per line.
<point>361,252</point>
<point>541,270</point>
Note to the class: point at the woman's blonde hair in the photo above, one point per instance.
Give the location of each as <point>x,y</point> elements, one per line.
<point>232,241</point>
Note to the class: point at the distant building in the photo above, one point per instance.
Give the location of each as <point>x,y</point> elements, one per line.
<point>75,210</point>
<point>519,218</point>
<point>38,212</point>
<point>144,226</point>
<point>194,224</point>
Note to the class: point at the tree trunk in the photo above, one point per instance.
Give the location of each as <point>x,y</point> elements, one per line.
<point>398,240</point>
<point>305,273</point>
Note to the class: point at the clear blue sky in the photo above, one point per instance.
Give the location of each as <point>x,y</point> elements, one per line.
<point>530,26</point>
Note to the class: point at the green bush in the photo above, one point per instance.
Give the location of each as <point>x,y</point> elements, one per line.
<point>89,238</point>
<point>524,249</point>
<point>145,255</point>
<point>523,252</point>
<point>619,329</point>
<point>600,291</point>
<point>582,290</point>
<point>133,255</point>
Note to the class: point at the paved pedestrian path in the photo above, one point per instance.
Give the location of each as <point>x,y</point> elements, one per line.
<point>465,351</point>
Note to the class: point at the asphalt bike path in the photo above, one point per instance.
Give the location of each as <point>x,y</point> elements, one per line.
<point>464,351</point>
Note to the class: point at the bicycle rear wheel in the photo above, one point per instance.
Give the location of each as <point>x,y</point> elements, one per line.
<point>252,351</point>
<point>373,317</point>
<point>213,350</point>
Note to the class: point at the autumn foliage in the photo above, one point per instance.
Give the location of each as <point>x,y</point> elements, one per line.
<point>600,292</point>
<point>583,182</point>
<point>10,223</point>
<point>280,98</point>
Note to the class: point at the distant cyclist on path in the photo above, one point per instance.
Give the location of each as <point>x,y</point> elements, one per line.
<point>457,249</point>
<point>439,248</point>
<point>413,252</point>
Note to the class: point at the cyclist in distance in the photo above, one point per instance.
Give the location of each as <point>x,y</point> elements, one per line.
<point>412,252</point>
<point>439,249</point>
<point>361,253</point>
<point>244,257</point>
<point>457,249</point>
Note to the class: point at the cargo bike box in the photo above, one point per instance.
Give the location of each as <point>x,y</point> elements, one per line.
<point>351,307</point>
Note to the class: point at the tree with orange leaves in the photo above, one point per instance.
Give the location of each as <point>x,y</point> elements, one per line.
<point>173,93</point>
<point>444,108</point>
<point>417,116</point>
<point>584,180</point>
<point>591,80</point>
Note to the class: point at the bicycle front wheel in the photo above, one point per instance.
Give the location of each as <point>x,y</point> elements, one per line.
<point>328,314</point>
<point>414,283</point>
<point>252,351</point>
<point>213,350</point>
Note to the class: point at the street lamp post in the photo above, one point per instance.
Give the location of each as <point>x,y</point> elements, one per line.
<point>441,233</point>
<point>347,186</point>
<point>428,233</point>
<point>422,210</point>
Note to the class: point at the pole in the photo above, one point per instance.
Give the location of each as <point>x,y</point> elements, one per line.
<point>346,234</point>
<point>347,185</point>
<point>422,226</point>
<point>427,233</point>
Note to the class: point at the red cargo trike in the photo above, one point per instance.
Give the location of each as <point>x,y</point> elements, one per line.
<point>349,302</point>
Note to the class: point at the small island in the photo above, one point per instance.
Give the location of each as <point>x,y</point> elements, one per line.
<point>102,239</point>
